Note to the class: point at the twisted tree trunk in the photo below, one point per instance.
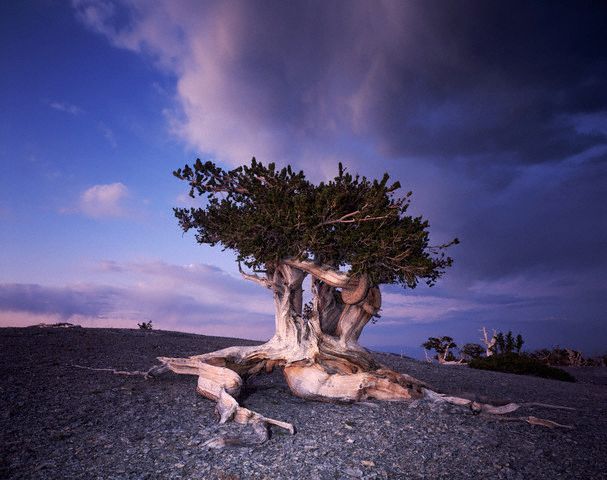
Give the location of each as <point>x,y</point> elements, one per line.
<point>320,355</point>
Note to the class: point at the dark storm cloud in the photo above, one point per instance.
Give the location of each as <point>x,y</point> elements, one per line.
<point>504,79</point>
<point>552,220</point>
<point>438,80</point>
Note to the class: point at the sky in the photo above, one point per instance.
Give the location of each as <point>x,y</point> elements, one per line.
<point>493,113</point>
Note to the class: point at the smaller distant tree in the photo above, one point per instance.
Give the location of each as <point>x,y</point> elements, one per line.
<point>472,350</point>
<point>562,357</point>
<point>442,347</point>
<point>145,325</point>
<point>507,343</point>
<point>500,343</point>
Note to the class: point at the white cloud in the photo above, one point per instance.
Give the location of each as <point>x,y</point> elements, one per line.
<point>66,107</point>
<point>104,200</point>
<point>108,134</point>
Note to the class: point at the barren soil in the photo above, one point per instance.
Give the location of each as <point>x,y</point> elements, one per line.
<point>60,422</point>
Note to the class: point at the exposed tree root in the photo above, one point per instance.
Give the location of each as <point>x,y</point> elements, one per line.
<point>135,373</point>
<point>223,386</point>
<point>531,421</point>
<point>316,383</point>
<point>328,380</point>
<point>493,411</point>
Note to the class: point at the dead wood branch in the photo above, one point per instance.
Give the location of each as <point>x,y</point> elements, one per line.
<point>497,411</point>
<point>264,282</point>
<point>134,373</point>
<point>531,421</point>
<point>489,342</point>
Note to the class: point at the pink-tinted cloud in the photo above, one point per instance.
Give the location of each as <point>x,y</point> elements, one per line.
<point>290,80</point>
<point>406,308</point>
<point>104,200</point>
<point>243,83</point>
<point>195,298</point>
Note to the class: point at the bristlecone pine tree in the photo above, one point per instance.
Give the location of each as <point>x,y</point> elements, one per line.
<point>351,235</point>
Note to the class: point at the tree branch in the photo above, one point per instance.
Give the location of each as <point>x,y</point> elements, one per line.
<point>227,188</point>
<point>255,278</point>
<point>354,288</point>
<point>346,219</point>
<point>325,273</point>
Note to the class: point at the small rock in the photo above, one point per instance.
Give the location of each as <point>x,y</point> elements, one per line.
<point>353,472</point>
<point>368,463</point>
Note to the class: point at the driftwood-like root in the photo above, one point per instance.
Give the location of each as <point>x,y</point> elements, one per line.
<point>531,421</point>
<point>134,373</point>
<point>329,378</point>
<point>493,411</point>
<point>316,383</point>
<point>223,386</point>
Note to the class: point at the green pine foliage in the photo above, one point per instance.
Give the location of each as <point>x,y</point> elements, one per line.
<point>440,345</point>
<point>520,364</point>
<point>266,215</point>
<point>472,350</point>
<point>508,343</point>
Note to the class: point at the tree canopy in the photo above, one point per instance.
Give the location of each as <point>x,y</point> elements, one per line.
<point>267,215</point>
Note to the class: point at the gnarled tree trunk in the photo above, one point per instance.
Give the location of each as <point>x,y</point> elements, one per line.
<point>320,355</point>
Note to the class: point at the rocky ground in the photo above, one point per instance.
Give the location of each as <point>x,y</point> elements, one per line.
<point>61,422</point>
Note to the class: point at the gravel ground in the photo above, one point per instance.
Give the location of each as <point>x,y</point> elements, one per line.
<point>61,422</point>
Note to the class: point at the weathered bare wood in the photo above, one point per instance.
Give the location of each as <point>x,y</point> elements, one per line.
<point>222,385</point>
<point>134,373</point>
<point>354,289</point>
<point>316,383</point>
<point>264,282</point>
<point>531,421</point>
<point>327,274</point>
<point>497,411</point>
<point>489,342</point>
